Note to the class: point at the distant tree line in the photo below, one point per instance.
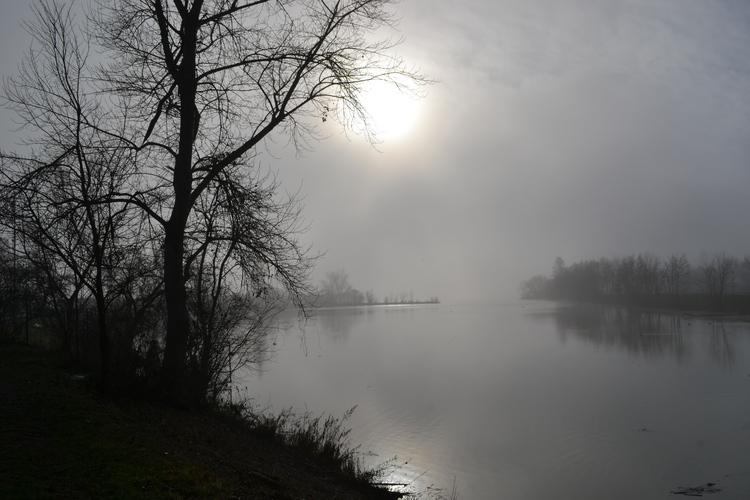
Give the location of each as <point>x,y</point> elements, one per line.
<point>335,290</point>
<point>644,279</point>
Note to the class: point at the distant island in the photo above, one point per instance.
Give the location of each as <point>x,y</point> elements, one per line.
<point>717,284</point>
<point>336,291</point>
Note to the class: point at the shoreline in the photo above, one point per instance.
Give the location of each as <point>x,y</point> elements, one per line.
<point>60,441</point>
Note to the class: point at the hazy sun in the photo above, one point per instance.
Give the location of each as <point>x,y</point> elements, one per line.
<point>393,113</point>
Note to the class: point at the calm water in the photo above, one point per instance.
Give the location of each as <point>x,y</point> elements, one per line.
<point>529,400</point>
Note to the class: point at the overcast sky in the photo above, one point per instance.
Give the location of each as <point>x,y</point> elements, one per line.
<point>578,128</point>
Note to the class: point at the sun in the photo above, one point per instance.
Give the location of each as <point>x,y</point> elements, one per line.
<point>393,113</point>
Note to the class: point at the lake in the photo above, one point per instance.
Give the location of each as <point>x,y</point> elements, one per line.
<point>529,400</point>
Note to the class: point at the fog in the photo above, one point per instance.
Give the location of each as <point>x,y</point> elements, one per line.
<point>567,127</point>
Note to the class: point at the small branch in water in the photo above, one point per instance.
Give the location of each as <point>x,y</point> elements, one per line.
<point>697,491</point>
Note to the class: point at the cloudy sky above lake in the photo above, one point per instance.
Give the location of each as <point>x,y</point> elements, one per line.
<point>578,128</point>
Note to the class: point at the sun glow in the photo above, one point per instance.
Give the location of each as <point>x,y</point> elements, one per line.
<point>393,113</point>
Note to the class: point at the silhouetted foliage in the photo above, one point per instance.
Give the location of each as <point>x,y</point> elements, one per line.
<point>138,197</point>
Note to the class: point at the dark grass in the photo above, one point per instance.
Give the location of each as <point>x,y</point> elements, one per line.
<point>325,438</point>
<point>59,441</point>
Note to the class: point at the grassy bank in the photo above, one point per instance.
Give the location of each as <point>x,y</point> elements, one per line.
<point>58,441</point>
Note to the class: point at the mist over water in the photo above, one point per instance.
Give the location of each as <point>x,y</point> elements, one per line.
<point>529,400</point>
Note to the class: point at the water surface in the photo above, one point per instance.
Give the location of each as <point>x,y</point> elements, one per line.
<point>529,400</point>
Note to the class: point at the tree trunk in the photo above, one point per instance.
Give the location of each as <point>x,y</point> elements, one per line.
<point>178,320</point>
<point>175,377</point>
<point>104,349</point>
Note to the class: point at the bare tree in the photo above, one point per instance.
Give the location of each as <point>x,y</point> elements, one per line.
<point>647,266</point>
<point>239,236</point>
<point>537,287</point>
<point>608,275</point>
<point>209,81</point>
<point>743,277</point>
<point>626,276</point>
<point>675,273</point>
<point>56,198</point>
<point>335,286</point>
<point>558,268</point>
<point>188,93</point>
<point>718,276</point>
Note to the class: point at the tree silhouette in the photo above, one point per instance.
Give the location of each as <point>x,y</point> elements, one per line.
<point>186,95</point>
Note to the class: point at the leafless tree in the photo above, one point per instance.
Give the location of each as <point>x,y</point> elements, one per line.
<point>207,82</point>
<point>335,286</point>
<point>675,273</point>
<point>188,92</point>
<point>718,276</point>
<point>626,276</point>
<point>536,287</point>
<point>744,275</point>
<point>647,266</point>
<point>558,268</point>
<point>56,197</point>
<point>239,236</point>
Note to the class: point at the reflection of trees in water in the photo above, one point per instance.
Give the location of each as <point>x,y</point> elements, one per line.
<point>406,310</point>
<point>719,346</point>
<point>338,322</point>
<point>638,332</point>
